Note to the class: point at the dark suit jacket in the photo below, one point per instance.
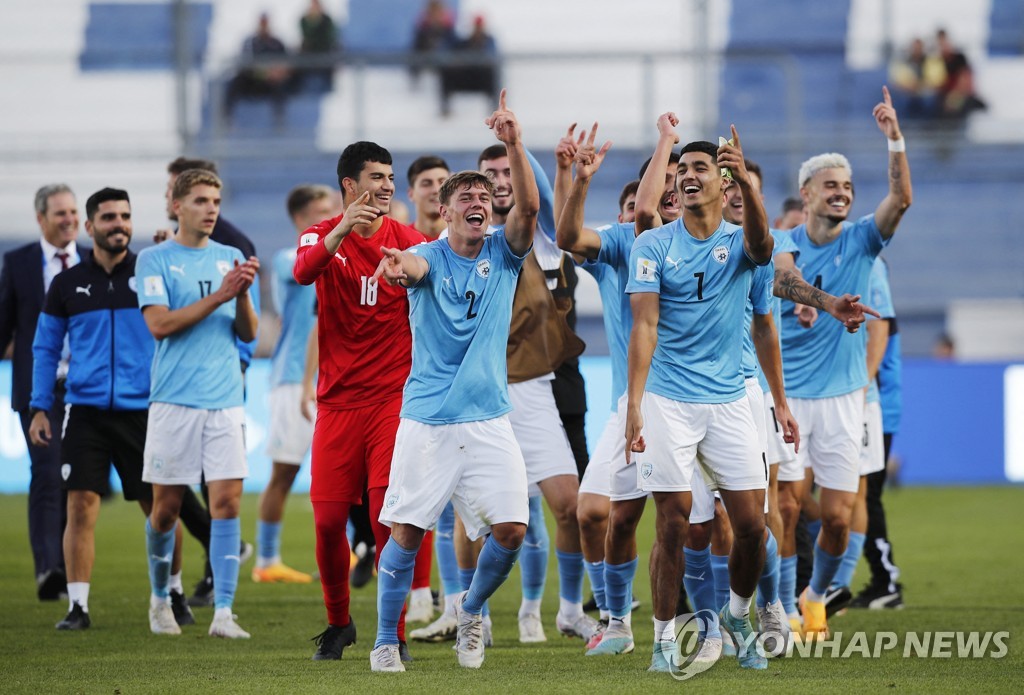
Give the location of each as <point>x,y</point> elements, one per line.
<point>21,300</point>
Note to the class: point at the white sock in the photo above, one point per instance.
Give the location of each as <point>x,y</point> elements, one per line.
<point>529,606</point>
<point>605,615</point>
<point>812,595</point>
<point>620,627</point>
<point>175,584</point>
<point>449,603</point>
<point>568,609</point>
<point>739,606</point>
<point>155,600</point>
<point>421,594</point>
<point>223,613</point>
<point>665,630</point>
<point>78,592</point>
<point>265,562</point>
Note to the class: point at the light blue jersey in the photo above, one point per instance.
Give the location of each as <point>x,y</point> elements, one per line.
<point>613,262</point>
<point>759,301</point>
<point>196,367</point>
<point>783,244</point>
<point>703,287</point>
<point>296,305</point>
<point>824,360</point>
<point>879,298</point>
<point>460,313</point>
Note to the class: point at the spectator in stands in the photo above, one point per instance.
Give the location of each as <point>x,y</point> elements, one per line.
<point>260,76</point>
<point>476,69</point>
<point>918,76</point>
<point>319,39</point>
<point>435,32</point>
<point>957,95</point>
<point>944,348</point>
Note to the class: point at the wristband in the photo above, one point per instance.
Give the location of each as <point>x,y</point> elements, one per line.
<point>898,145</point>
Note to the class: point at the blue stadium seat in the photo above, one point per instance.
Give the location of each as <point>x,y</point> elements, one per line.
<point>126,36</point>
<point>383,26</point>
<point>1006,28</point>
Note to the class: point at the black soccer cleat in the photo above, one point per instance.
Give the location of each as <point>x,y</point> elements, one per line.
<point>332,642</point>
<point>879,597</point>
<point>362,573</point>
<point>403,652</point>
<point>179,606</point>
<point>52,586</point>
<point>76,619</point>
<point>836,599</point>
<point>203,594</point>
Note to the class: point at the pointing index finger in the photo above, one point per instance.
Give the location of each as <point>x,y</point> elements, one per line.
<point>593,134</point>
<point>885,96</point>
<point>501,101</point>
<point>735,137</point>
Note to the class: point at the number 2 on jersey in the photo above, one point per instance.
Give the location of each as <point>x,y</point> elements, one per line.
<point>367,292</point>
<point>471,296</point>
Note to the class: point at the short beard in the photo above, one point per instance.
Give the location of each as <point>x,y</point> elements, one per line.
<point>501,211</point>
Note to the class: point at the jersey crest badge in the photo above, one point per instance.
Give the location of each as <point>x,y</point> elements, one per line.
<point>838,260</point>
<point>223,267</point>
<point>646,470</point>
<point>483,268</point>
<point>720,254</point>
<point>646,270</point>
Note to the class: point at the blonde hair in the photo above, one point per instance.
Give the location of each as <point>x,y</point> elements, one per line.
<point>829,160</point>
<point>190,178</point>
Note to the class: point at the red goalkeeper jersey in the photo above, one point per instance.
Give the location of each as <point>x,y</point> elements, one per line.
<point>364,337</point>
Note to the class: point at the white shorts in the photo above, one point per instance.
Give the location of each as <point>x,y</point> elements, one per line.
<point>872,451</point>
<point>756,397</point>
<point>623,478</point>
<point>720,438</point>
<point>778,451</point>
<point>184,445</point>
<point>290,435</point>
<point>539,431</point>
<point>831,430</point>
<point>476,465</point>
<point>597,478</point>
<point>702,505</point>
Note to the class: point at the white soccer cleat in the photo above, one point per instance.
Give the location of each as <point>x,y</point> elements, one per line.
<point>224,625</point>
<point>161,619</point>
<point>443,629</point>
<point>582,626</point>
<point>469,645</point>
<point>421,607</point>
<point>710,651</point>
<point>531,629</point>
<point>773,625</point>
<point>386,659</point>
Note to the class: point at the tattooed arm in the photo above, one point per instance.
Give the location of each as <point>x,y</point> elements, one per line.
<point>790,285</point>
<point>890,210</point>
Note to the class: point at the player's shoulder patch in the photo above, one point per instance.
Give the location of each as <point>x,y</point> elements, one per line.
<point>309,239</point>
<point>153,286</point>
<point>646,270</point>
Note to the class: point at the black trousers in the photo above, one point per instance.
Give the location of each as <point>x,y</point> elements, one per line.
<point>877,548</point>
<point>47,499</point>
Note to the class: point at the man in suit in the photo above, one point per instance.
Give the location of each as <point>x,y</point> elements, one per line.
<point>26,275</point>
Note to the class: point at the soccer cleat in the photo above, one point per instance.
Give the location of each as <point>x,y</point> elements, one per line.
<point>76,619</point>
<point>224,625</point>
<point>202,595</point>
<point>488,631</point>
<point>469,645</point>
<point>710,651</point>
<point>744,638</point>
<point>245,552</point>
<point>421,607</point>
<point>591,605</point>
<point>161,619</point>
<point>531,629</point>
<point>815,620</point>
<point>836,599</point>
<point>728,647</point>
<point>332,642</point>
<point>52,586</point>
<point>386,659</point>
<point>617,639</point>
<point>664,657</point>
<point>582,626</point>
<point>441,630</point>
<point>595,639</point>
<point>403,652</point>
<point>280,573</point>
<point>363,570</point>
<point>179,606</point>
<point>774,628</point>
<point>879,597</point>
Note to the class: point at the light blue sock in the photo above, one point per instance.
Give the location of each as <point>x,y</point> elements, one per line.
<point>570,576</point>
<point>466,580</point>
<point>787,583</point>
<point>160,547</point>
<point>225,539</point>
<point>825,567</point>
<point>394,578</point>
<point>444,548</point>
<point>618,587</point>
<point>768,584</point>
<point>533,560</point>
<point>268,539</point>
<point>700,587</point>
<point>854,547</point>
<point>595,571</point>
<point>492,568</point>
<point>720,570</point>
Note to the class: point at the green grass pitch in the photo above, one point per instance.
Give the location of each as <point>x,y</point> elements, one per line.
<point>961,551</point>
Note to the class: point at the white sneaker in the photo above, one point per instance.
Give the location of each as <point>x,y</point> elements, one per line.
<point>774,626</point>
<point>386,659</point>
<point>531,629</point>
<point>161,619</point>
<point>441,630</point>
<point>224,625</point>
<point>469,645</point>
<point>582,626</point>
<point>710,651</point>
<point>421,607</point>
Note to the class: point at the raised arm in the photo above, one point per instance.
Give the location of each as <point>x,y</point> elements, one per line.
<point>565,150</point>
<point>652,185</point>
<point>571,234</point>
<point>769,356</point>
<point>646,307</point>
<point>522,220</point>
<point>314,256</point>
<point>164,322</point>
<point>789,284</point>
<point>757,239</point>
<point>890,210</point>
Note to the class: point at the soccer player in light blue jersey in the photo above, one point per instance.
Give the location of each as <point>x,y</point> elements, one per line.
<point>194,295</point>
<point>611,500</point>
<point>826,369</point>
<point>290,433</point>
<point>455,440</point>
<point>689,281</point>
